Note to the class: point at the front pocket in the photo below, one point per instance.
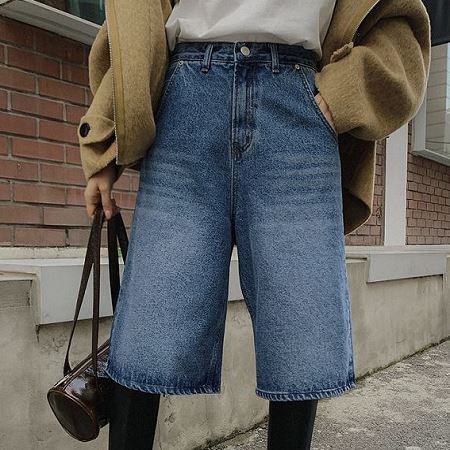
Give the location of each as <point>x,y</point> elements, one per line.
<point>308,75</point>
<point>172,70</point>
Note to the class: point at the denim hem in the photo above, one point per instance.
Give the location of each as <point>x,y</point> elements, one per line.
<point>324,393</point>
<point>163,389</point>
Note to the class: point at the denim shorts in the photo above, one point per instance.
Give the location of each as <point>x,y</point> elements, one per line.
<point>242,156</point>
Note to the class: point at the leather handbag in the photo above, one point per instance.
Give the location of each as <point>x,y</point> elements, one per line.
<point>80,399</point>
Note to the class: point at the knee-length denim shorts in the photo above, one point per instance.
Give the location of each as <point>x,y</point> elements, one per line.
<point>242,156</point>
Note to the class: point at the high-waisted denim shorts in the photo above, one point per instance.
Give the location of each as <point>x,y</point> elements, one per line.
<point>242,156</point>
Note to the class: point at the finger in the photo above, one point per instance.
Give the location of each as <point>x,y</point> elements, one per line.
<point>325,110</point>
<point>330,119</point>
<point>92,199</point>
<point>107,201</point>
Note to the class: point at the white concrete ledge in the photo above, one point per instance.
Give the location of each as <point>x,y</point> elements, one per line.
<point>400,262</point>
<point>51,19</point>
<point>55,281</point>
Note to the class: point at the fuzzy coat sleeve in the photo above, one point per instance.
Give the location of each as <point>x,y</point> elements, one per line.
<point>379,85</point>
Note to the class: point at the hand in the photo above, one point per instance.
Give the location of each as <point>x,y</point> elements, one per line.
<point>325,110</point>
<point>98,191</point>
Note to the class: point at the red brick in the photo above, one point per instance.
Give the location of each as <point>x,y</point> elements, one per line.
<point>39,193</point>
<point>20,214</point>
<point>2,53</point>
<point>62,174</point>
<point>59,47</point>
<point>58,131</point>
<point>16,79</point>
<point>6,236</point>
<point>126,200</point>
<point>3,145</point>
<point>61,90</point>
<point>74,113</point>
<point>5,191</point>
<point>28,148</point>
<point>75,74</point>
<point>15,124</point>
<point>78,237</point>
<point>86,50</point>
<point>123,183</point>
<point>37,106</point>
<point>127,217</point>
<point>33,62</point>
<point>70,216</point>
<point>16,32</point>
<point>75,196</point>
<point>20,170</point>
<point>73,154</point>
<point>3,99</point>
<point>135,179</point>
<point>422,205</point>
<point>89,97</point>
<point>39,237</point>
<point>434,185</point>
<point>412,185</point>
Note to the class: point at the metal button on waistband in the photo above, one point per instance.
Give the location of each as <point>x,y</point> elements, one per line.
<point>245,50</point>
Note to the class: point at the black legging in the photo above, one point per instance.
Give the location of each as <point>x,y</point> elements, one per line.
<point>133,417</point>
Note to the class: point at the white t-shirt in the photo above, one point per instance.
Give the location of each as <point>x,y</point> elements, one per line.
<point>301,22</point>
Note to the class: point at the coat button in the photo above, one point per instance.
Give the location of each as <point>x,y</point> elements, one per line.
<point>84,129</point>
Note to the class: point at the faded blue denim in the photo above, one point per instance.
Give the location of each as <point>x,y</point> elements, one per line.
<point>242,155</point>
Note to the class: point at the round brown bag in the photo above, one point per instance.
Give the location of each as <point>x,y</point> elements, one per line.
<point>80,399</point>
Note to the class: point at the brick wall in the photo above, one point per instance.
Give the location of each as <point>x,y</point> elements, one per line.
<point>43,93</point>
<point>372,232</point>
<point>428,201</point>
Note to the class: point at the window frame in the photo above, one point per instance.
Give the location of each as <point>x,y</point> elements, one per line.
<point>51,19</point>
<point>420,130</point>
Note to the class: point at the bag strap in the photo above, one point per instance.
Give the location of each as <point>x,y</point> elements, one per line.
<point>116,230</point>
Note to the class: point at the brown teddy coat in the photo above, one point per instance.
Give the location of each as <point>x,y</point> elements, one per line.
<point>373,75</point>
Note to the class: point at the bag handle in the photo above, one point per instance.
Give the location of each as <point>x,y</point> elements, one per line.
<point>116,230</point>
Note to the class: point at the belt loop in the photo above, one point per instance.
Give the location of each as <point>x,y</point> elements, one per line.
<point>207,58</point>
<point>274,52</point>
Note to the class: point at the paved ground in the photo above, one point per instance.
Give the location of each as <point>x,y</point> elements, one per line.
<point>403,407</point>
